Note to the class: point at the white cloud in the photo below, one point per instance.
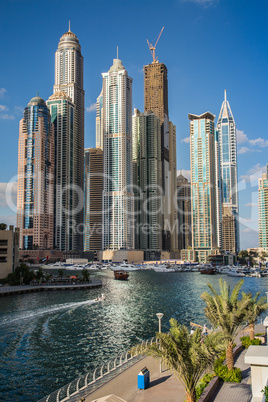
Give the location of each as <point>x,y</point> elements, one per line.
<point>185,173</point>
<point>260,142</point>
<point>186,140</point>
<point>251,204</point>
<point>3,91</point>
<point>241,136</point>
<point>243,150</point>
<point>205,3</point>
<point>19,109</point>
<point>254,174</point>
<point>3,108</point>
<point>7,116</point>
<point>91,108</point>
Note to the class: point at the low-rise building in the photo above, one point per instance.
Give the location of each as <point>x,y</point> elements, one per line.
<point>9,250</point>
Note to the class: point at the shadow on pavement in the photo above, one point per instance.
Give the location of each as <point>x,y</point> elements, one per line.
<point>159,381</point>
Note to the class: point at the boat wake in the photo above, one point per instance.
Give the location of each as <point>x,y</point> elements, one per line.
<point>25,315</point>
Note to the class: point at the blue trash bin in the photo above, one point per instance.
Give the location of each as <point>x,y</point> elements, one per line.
<point>143,378</point>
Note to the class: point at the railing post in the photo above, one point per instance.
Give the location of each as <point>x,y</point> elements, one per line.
<point>94,374</point>
<point>108,367</point>
<point>115,362</point>
<point>101,371</point>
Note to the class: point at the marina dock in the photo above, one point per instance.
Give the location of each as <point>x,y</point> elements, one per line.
<point>13,290</point>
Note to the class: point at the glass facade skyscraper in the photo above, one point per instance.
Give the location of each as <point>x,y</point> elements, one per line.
<point>63,117</point>
<point>147,180</point>
<point>69,78</point>
<point>35,197</point>
<point>156,100</point>
<point>263,209</point>
<point>118,203</point>
<point>99,121</point>
<point>228,162</point>
<point>203,184</point>
<point>93,199</point>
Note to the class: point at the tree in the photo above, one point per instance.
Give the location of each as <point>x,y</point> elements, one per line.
<point>187,355</point>
<point>85,275</point>
<point>39,274</point>
<point>60,272</point>
<point>255,308</point>
<point>3,226</point>
<point>226,312</point>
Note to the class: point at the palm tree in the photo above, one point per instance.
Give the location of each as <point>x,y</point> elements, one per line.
<point>255,308</point>
<point>187,355</point>
<point>228,313</point>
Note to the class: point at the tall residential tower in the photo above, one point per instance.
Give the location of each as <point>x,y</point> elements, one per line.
<point>263,209</point>
<point>35,199</point>
<point>64,118</point>
<point>147,180</point>
<point>156,100</point>
<point>228,161</point>
<point>118,203</point>
<point>69,79</point>
<point>203,184</point>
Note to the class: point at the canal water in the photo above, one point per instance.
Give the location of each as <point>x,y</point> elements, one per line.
<point>48,339</point>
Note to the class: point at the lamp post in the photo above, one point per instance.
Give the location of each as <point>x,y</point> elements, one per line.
<point>160,316</point>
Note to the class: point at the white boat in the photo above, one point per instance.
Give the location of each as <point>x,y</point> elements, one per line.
<point>128,267</point>
<point>235,272</point>
<point>100,298</point>
<point>76,267</point>
<point>163,268</point>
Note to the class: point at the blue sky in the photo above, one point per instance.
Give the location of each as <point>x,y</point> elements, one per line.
<point>207,46</point>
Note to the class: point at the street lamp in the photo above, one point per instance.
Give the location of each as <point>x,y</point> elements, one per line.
<point>159,316</point>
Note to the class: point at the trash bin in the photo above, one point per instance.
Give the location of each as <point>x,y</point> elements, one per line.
<point>143,378</point>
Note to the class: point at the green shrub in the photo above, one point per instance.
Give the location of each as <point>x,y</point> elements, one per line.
<point>260,334</point>
<point>202,384</point>
<point>234,375</point>
<point>246,341</point>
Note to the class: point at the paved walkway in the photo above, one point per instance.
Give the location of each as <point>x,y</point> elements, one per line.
<point>166,387</point>
<point>232,392</point>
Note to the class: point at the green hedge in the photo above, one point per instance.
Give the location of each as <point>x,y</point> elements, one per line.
<point>203,383</point>
<point>221,370</point>
<point>246,341</point>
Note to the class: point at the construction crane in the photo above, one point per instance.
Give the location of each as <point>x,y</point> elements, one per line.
<point>152,48</point>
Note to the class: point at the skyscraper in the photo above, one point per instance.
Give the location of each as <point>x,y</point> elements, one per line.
<point>203,184</point>
<point>147,180</point>
<point>69,79</point>
<point>263,209</point>
<point>35,199</point>
<point>184,213</point>
<point>63,116</point>
<point>173,187</point>
<point>99,121</point>
<point>93,199</point>
<point>156,100</point>
<point>118,206</point>
<point>228,162</point>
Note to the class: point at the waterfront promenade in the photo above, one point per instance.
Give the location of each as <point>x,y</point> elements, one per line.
<point>13,290</point>
<point>166,387</point>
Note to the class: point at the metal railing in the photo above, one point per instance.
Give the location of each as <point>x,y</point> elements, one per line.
<point>92,380</point>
